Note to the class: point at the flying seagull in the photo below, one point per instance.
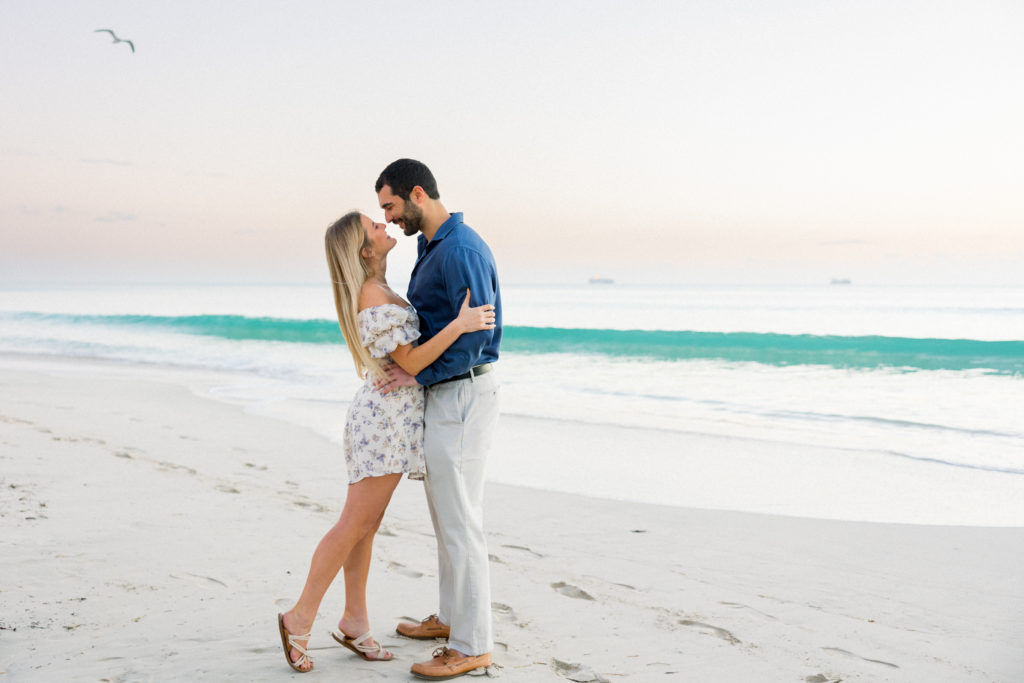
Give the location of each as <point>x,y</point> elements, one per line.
<point>116,39</point>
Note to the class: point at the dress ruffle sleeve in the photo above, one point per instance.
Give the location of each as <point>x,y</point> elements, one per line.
<point>384,328</point>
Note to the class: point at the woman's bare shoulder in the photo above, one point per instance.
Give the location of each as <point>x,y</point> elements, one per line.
<point>371,294</point>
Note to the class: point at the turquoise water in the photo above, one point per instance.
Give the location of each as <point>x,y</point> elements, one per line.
<point>912,377</point>
<point>864,352</point>
<point>999,357</point>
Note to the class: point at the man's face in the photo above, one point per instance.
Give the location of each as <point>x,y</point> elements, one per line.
<point>403,213</point>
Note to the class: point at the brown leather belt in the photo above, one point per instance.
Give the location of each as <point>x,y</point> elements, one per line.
<point>473,372</point>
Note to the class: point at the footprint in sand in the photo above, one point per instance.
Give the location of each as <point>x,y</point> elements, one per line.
<point>847,653</point>
<point>523,548</point>
<point>737,605</point>
<point>405,571</point>
<point>822,678</point>
<point>316,507</point>
<point>165,465</point>
<point>15,420</point>
<point>571,591</point>
<point>196,578</point>
<point>502,610</point>
<point>226,489</point>
<point>712,630</point>
<point>576,672</point>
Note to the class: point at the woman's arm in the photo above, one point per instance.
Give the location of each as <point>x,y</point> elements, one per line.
<point>413,359</point>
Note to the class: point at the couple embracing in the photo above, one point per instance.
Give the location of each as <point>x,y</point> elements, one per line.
<point>427,409</point>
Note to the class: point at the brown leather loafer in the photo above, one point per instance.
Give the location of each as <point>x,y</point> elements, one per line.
<point>448,664</point>
<point>428,629</point>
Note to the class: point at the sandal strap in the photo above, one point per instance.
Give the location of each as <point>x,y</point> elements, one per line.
<point>358,642</point>
<point>362,639</point>
<point>293,644</point>
<point>304,659</point>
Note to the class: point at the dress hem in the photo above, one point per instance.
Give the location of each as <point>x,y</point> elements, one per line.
<point>384,474</point>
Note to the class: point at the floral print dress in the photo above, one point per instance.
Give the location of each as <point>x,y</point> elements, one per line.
<point>384,432</point>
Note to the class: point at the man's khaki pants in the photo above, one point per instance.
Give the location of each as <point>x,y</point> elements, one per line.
<point>459,422</point>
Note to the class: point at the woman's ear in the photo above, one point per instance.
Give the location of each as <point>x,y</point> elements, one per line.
<point>366,253</point>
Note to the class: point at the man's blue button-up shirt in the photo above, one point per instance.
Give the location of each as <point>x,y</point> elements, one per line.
<point>454,260</point>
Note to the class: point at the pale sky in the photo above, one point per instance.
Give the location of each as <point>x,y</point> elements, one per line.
<point>689,142</point>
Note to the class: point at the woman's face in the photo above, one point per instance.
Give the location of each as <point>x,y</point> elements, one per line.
<point>377,234</point>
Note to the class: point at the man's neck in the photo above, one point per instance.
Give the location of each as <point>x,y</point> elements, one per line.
<point>434,217</point>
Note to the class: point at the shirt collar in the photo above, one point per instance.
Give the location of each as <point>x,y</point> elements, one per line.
<point>446,227</point>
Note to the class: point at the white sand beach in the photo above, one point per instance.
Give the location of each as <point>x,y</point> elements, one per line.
<point>150,533</point>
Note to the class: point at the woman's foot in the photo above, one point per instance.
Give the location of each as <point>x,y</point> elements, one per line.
<point>352,628</point>
<point>294,627</point>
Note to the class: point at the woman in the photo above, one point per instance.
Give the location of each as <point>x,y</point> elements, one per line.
<point>383,433</point>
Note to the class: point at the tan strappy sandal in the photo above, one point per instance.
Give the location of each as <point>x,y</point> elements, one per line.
<point>288,642</point>
<point>364,651</point>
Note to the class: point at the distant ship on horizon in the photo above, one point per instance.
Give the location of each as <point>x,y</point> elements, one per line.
<point>598,280</point>
<point>840,281</point>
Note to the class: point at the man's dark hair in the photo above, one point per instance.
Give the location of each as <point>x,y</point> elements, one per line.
<point>403,175</point>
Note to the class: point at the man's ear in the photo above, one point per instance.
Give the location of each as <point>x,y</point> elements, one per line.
<point>417,195</point>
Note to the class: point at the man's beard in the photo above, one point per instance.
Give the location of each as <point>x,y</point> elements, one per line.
<point>412,219</point>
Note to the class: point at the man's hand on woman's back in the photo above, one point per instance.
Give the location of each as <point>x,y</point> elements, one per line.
<point>395,377</point>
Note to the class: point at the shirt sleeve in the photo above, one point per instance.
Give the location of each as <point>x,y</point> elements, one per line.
<point>464,268</point>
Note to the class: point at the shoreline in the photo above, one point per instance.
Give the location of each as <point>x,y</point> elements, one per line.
<point>153,533</point>
<point>636,464</point>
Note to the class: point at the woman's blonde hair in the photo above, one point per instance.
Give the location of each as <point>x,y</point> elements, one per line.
<point>344,242</point>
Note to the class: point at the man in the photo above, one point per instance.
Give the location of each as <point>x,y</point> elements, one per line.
<point>461,411</point>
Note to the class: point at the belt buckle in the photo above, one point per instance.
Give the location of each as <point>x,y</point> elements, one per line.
<point>474,371</point>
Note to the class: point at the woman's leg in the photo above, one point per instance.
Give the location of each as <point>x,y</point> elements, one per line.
<point>355,621</point>
<point>364,507</point>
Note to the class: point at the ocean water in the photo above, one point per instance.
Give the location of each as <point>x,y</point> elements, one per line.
<point>930,376</point>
